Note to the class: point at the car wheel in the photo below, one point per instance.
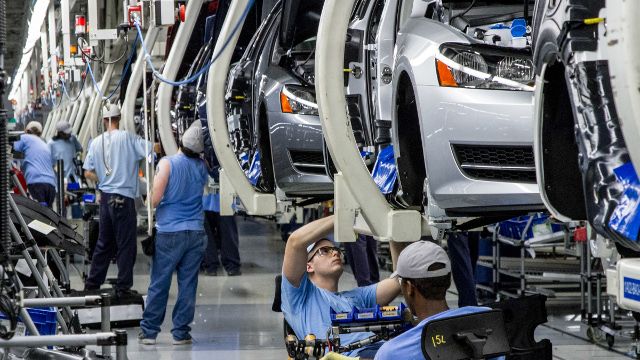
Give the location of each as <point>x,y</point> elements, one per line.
<point>410,158</point>
<point>267,180</point>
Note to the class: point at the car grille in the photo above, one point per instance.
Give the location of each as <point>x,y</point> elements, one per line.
<point>306,161</point>
<point>496,163</point>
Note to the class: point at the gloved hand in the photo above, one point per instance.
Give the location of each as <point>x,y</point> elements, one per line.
<point>335,356</point>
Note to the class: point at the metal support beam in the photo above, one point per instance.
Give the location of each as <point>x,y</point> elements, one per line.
<point>233,181</point>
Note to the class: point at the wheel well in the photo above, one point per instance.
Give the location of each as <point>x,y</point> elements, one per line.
<point>559,151</point>
<point>267,182</point>
<point>409,152</point>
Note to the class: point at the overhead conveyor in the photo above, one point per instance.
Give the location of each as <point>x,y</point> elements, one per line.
<point>170,71</point>
<point>129,101</point>
<point>233,181</point>
<point>356,194</point>
<point>89,128</point>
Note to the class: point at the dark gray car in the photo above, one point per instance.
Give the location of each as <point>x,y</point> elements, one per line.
<point>271,110</point>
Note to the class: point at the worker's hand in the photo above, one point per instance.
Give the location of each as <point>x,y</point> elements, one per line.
<point>157,148</point>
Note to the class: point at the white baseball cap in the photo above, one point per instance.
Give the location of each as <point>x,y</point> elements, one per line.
<point>192,138</point>
<point>63,126</point>
<point>110,110</point>
<point>34,125</point>
<point>414,261</point>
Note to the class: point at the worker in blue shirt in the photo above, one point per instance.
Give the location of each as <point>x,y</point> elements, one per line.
<point>113,163</point>
<point>311,271</point>
<point>64,146</point>
<point>41,180</point>
<point>180,241</point>
<point>424,273</point>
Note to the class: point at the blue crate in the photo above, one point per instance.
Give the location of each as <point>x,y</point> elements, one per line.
<point>343,316</point>
<point>367,314</point>
<point>513,228</point>
<point>43,318</point>
<point>391,312</point>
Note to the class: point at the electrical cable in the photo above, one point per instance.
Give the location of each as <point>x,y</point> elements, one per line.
<point>100,59</point>
<point>195,77</point>
<point>473,3</point>
<point>64,89</point>
<point>122,76</point>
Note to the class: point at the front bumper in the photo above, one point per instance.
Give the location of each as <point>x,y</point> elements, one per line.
<point>453,118</point>
<point>296,148</point>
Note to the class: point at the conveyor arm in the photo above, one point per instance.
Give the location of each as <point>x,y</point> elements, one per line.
<point>233,180</point>
<point>170,71</point>
<point>355,191</point>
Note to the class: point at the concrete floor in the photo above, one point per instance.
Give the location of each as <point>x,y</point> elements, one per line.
<point>234,318</point>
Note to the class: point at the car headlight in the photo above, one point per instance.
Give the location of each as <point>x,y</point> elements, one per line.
<point>296,99</point>
<point>481,66</point>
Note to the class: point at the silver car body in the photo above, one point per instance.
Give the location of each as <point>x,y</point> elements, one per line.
<point>295,139</point>
<point>451,118</point>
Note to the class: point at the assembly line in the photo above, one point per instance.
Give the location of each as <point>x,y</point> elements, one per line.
<point>396,179</point>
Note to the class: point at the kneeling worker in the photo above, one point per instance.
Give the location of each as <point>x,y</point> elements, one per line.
<point>424,274</point>
<point>311,272</point>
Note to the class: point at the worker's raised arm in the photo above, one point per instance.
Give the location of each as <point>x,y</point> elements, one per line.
<point>388,289</point>
<point>295,253</point>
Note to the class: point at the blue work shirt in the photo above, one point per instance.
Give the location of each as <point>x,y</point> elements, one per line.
<point>307,308</point>
<point>122,152</point>
<point>37,160</point>
<point>407,345</point>
<point>211,202</point>
<point>181,205</point>
<point>65,150</point>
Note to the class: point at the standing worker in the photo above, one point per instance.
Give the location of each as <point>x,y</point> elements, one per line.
<point>64,146</point>
<point>222,235</point>
<point>180,241</point>
<point>41,180</point>
<point>113,163</point>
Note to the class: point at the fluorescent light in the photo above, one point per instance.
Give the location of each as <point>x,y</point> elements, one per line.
<point>35,25</point>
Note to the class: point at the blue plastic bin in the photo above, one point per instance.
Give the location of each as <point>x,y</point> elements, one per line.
<point>43,318</point>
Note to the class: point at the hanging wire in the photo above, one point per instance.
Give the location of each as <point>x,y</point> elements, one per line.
<point>195,77</point>
<point>64,90</point>
<point>122,76</point>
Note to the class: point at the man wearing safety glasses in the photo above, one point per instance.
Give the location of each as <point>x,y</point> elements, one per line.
<point>311,272</point>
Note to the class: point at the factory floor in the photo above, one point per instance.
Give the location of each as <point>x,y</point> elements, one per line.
<point>234,320</point>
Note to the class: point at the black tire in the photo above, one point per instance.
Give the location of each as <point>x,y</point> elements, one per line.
<point>410,163</point>
<point>267,180</point>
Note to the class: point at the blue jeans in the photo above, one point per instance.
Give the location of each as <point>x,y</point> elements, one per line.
<point>461,270</point>
<point>181,251</point>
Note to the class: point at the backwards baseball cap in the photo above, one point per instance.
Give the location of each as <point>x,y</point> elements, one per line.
<point>64,127</point>
<point>192,138</point>
<point>34,125</point>
<point>414,261</point>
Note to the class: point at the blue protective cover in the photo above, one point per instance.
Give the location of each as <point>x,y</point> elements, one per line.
<point>255,171</point>
<point>519,27</point>
<point>384,171</point>
<point>625,219</point>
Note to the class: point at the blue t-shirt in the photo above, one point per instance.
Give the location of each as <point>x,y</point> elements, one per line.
<point>181,205</point>
<point>306,308</point>
<point>37,160</point>
<point>211,202</point>
<point>65,150</point>
<point>407,345</point>
<point>122,152</point>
